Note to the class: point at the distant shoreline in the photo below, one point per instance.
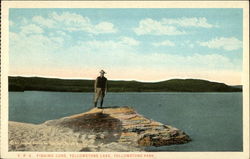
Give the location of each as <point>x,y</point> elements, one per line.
<point>20,84</point>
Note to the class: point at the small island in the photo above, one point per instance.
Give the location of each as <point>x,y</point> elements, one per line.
<point>116,129</point>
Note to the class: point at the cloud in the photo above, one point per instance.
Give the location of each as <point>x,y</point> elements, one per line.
<point>187,43</point>
<point>164,43</point>
<point>71,21</point>
<point>103,27</point>
<point>74,22</point>
<point>228,44</point>
<point>39,50</point>
<point>153,27</point>
<point>44,51</point>
<point>31,29</point>
<point>168,26</point>
<point>61,33</point>
<point>34,45</point>
<point>43,21</point>
<point>122,43</point>
<point>109,54</point>
<point>188,22</point>
<point>24,21</point>
<point>130,41</point>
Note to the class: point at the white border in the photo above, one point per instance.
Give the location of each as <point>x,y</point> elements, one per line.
<point>127,4</point>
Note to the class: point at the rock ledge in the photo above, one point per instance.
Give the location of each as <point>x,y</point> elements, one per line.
<point>108,129</point>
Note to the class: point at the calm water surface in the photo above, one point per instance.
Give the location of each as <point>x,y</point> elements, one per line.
<point>212,120</point>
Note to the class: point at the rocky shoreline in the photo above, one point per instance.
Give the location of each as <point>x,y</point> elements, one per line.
<point>116,129</point>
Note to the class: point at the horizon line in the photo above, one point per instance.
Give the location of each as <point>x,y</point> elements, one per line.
<point>78,78</point>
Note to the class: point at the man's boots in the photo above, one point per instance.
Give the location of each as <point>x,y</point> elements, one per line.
<point>95,104</point>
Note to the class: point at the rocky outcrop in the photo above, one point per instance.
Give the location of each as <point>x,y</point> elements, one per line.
<point>108,129</point>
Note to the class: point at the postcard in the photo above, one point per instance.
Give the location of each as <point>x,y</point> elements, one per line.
<point>125,79</point>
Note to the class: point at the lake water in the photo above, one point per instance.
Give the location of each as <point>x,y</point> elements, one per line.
<point>212,120</point>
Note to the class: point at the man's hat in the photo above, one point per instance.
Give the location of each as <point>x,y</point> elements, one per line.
<point>102,72</point>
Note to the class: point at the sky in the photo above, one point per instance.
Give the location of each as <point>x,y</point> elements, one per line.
<point>144,44</point>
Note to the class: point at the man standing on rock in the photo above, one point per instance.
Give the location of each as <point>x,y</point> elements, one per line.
<point>100,88</point>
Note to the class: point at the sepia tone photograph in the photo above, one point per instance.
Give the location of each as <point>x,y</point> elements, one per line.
<point>119,80</point>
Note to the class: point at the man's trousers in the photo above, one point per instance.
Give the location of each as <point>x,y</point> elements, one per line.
<point>99,93</point>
